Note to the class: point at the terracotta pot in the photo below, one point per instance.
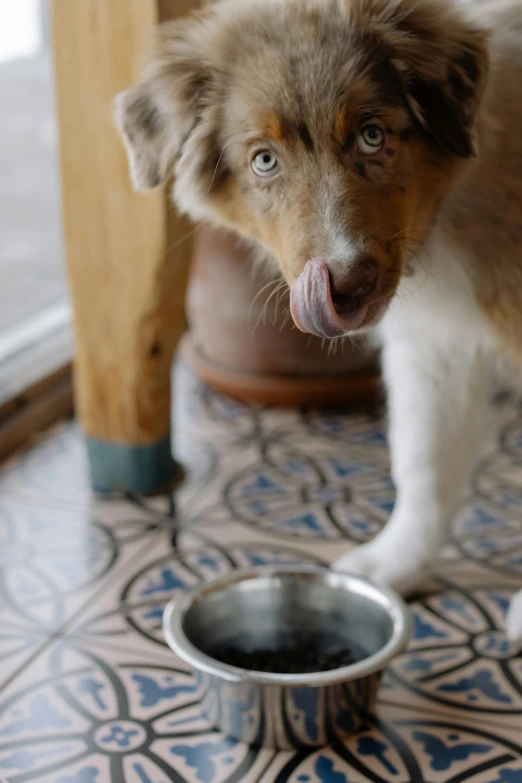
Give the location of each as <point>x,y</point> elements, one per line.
<point>247,347</point>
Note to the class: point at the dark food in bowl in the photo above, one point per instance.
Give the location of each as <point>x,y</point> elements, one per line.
<point>298,653</point>
<point>285,660</point>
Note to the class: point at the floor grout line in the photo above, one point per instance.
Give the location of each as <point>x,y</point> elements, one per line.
<point>117,572</point>
<point>64,632</point>
<point>160,655</point>
<point>64,628</point>
<point>19,671</point>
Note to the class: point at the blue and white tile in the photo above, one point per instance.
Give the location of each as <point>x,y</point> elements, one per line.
<point>54,559</point>
<point>103,715</point>
<point>201,414</point>
<point>348,432</point>
<point>18,645</point>
<point>409,747</point>
<point>54,468</point>
<point>130,612</point>
<point>459,658</point>
<point>292,494</point>
<point>444,748</point>
<point>489,532</point>
<point>93,714</point>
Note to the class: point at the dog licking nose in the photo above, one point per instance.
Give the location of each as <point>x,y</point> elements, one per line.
<point>325,304</point>
<point>350,288</point>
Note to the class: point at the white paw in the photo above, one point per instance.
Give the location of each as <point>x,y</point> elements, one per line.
<point>514,622</point>
<point>386,565</point>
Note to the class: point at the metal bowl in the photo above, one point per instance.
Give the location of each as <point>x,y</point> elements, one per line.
<point>267,608</point>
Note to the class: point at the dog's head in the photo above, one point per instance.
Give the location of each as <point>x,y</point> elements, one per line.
<point>326,130</point>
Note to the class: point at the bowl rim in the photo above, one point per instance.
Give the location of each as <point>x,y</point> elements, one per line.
<point>177,608</point>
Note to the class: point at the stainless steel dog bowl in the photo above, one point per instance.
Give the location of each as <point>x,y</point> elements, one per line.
<point>266,608</point>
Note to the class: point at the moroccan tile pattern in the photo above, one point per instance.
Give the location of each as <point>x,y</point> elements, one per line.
<point>89,693</point>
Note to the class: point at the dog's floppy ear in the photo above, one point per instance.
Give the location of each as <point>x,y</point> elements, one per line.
<point>156,116</point>
<point>441,58</point>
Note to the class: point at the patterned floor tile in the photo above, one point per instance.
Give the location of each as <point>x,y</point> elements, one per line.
<point>278,485</point>
<point>88,714</point>
<point>408,747</point>
<point>53,559</point>
<point>489,530</point>
<point>105,700</point>
<point>292,494</point>
<point>54,468</point>
<point>129,613</point>
<point>459,658</point>
<point>209,428</point>
<point>18,644</point>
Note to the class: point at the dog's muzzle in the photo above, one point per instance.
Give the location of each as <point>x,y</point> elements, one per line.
<point>313,308</point>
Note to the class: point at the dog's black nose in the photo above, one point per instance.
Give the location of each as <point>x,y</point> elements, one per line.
<point>352,287</point>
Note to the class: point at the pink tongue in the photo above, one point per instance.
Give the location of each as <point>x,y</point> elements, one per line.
<point>312,307</point>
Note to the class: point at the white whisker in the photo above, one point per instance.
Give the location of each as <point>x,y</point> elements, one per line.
<point>217,166</point>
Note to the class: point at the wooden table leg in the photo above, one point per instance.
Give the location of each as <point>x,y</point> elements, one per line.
<point>126,254</point>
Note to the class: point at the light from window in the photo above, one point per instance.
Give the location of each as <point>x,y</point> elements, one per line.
<point>20,29</point>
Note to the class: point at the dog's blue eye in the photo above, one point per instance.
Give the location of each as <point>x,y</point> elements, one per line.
<point>371,139</point>
<point>265,163</point>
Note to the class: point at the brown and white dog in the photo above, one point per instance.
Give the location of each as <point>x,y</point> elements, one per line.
<point>353,140</point>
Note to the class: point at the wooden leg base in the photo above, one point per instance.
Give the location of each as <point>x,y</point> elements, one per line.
<point>143,470</point>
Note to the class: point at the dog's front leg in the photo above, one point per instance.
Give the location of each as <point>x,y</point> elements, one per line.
<point>437,403</point>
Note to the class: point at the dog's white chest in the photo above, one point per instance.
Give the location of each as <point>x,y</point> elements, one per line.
<point>437,305</point>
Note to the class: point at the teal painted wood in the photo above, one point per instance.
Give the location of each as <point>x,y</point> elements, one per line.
<point>144,470</point>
